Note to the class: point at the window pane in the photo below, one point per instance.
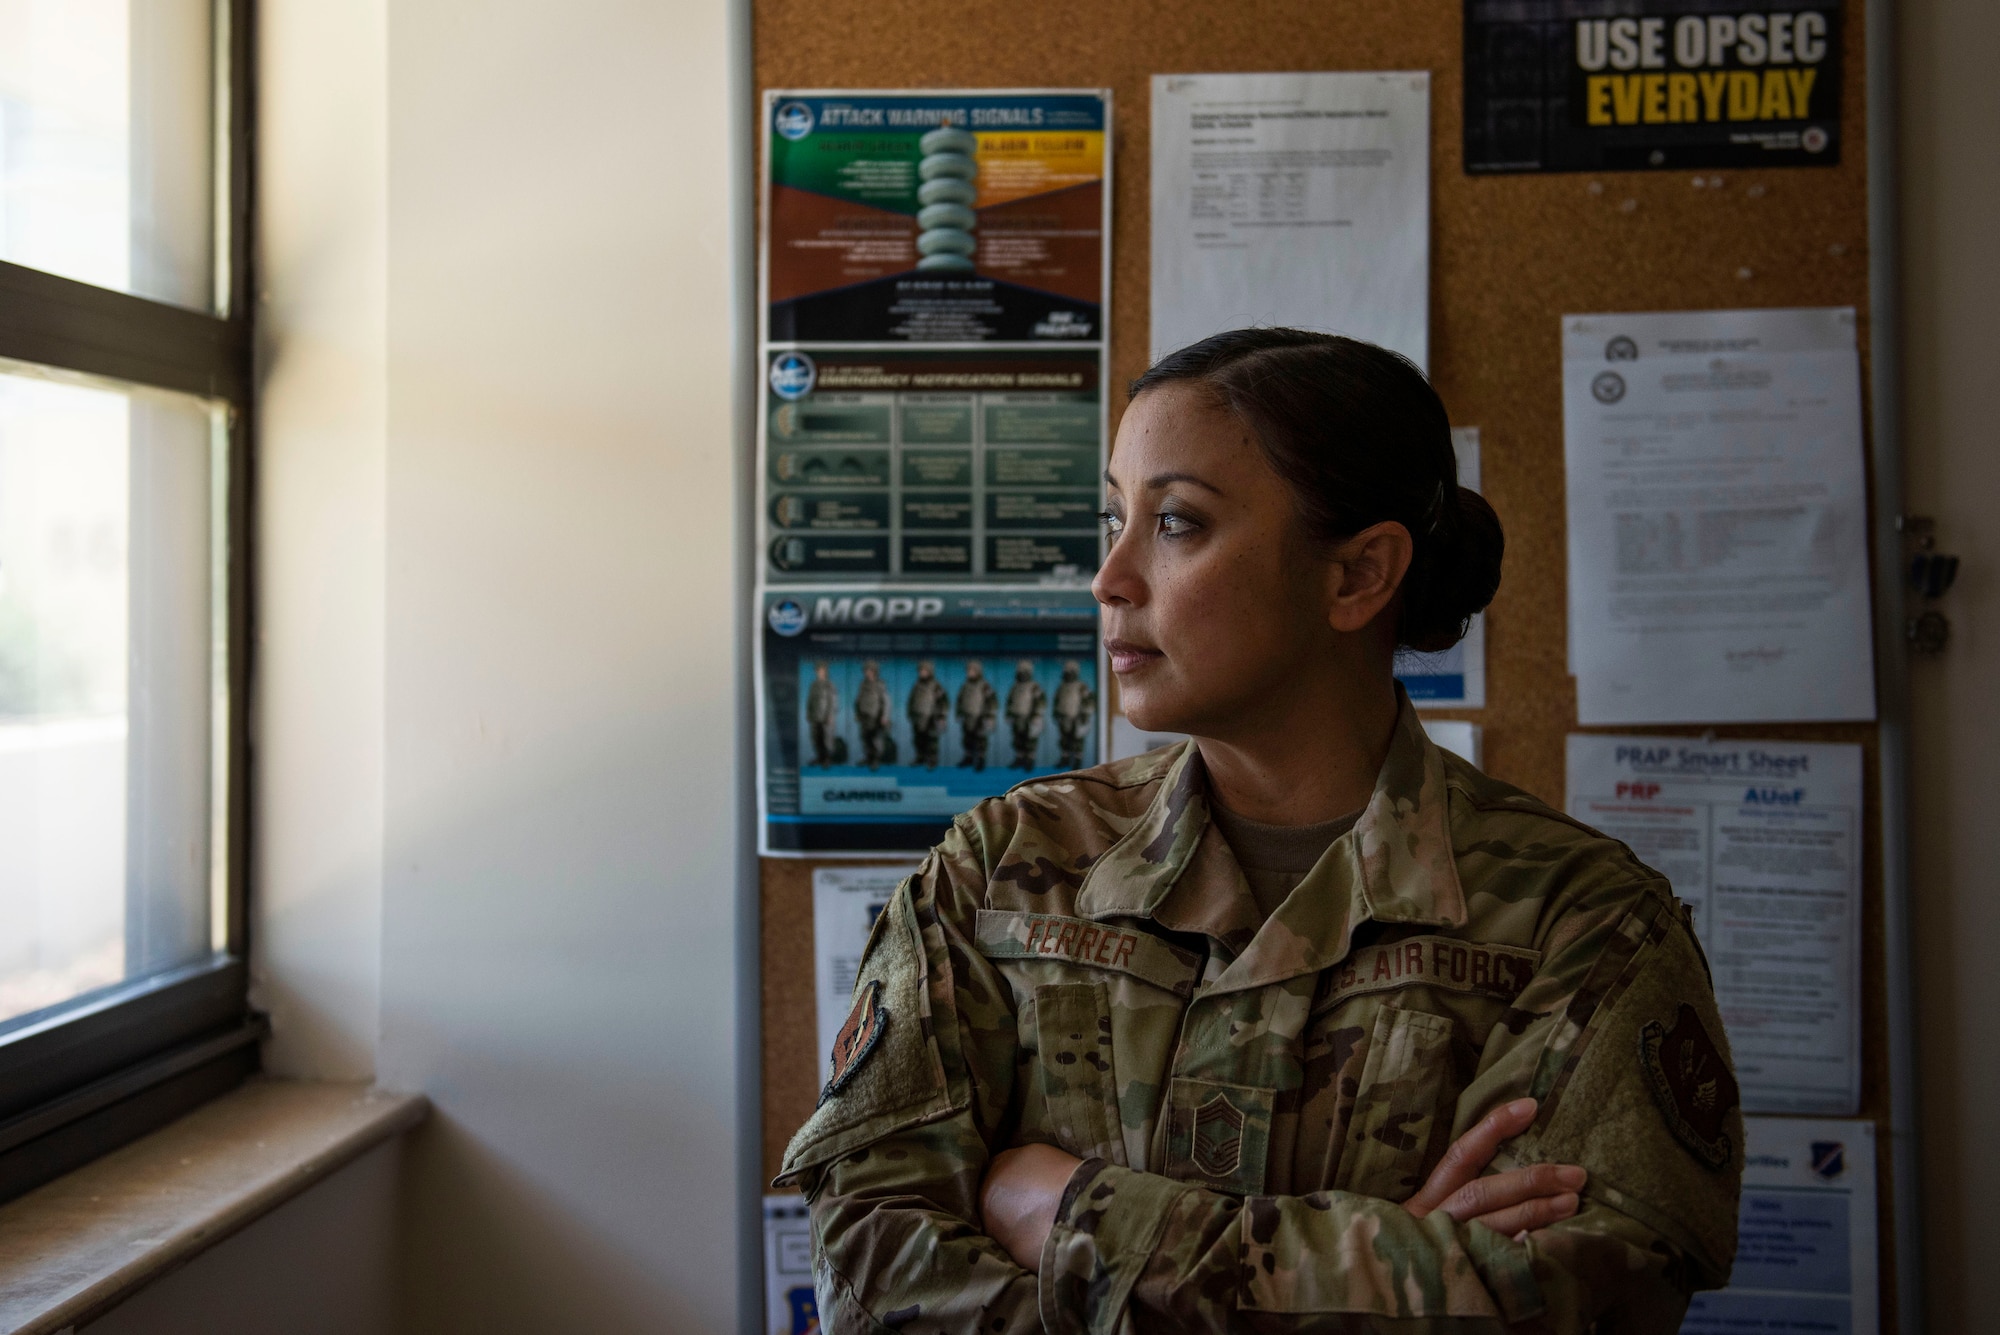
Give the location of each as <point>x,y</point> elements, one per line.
<point>107,143</point>
<point>108,671</point>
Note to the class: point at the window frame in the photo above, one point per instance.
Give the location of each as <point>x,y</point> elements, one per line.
<point>85,1076</point>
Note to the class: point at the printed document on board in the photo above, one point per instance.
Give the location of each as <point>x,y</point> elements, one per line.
<point>789,1306</point>
<point>1805,1252</point>
<point>1762,840</point>
<point>1292,199</point>
<point>1718,565</point>
<point>846,901</point>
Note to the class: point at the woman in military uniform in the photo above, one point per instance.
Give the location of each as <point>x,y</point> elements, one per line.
<point>1301,1025</point>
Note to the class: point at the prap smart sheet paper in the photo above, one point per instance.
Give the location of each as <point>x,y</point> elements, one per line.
<point>1292,199</point>
<point>1762,840</point>
<point>846,901</point>
<point>1805,1253</point>
<point>1717,542</point>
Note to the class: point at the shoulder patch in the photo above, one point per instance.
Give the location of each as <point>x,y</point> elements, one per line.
<point>1692,1084</point>
<point>858,1037</point>
<point>887,1071</point>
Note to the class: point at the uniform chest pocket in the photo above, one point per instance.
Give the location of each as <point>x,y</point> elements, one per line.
<point>1079,1086</point>
<point>1402,1108</point>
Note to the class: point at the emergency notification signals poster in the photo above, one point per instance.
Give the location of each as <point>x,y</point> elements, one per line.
<point>1594,85</point>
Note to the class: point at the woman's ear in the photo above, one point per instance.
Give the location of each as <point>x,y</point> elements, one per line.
<point>1365,574</point>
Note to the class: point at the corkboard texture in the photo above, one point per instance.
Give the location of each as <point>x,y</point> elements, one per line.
<point>1509,256</point>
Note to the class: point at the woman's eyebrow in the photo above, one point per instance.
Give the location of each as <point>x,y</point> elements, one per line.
<point>1159,480</point>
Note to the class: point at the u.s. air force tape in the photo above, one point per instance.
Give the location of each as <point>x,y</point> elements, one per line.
<point>1097,945</point>
<point>1437,961</point>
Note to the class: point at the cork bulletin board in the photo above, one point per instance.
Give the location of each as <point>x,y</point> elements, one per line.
<point>1510,255</point>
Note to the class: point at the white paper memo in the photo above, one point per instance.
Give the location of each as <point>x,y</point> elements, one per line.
<point>1718,563</point>
<point>1292,199</point>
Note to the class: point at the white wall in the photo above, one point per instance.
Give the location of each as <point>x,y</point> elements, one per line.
<point>497,718</point>
<point>1951,268</point>
<point>560,872</point>
<point>316,898</point>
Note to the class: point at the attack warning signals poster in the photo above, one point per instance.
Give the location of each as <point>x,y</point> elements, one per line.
<point>957,217</point>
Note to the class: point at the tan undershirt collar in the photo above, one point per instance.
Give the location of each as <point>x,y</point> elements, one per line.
<point>1275,858</point>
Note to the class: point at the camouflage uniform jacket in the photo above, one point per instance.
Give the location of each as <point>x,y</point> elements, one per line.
<point>1081,963</point>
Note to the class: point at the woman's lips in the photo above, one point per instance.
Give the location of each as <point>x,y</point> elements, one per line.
<point>1129,657</point>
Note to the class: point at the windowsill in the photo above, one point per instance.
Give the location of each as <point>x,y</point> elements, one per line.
<point>73,1249</point>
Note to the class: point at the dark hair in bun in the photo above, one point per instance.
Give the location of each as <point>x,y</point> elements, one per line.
<point>1361,437</point>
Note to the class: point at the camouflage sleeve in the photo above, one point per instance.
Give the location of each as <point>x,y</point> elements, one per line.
<point>1618,1047</point>
<point>891,1160</point>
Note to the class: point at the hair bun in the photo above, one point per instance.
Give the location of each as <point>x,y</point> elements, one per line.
<point>1456,574</point>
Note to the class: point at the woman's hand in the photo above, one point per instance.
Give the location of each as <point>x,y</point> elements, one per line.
<point>1510,1203</point>
<point>1020,1196</point>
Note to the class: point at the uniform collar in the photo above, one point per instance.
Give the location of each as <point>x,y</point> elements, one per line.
<point>1395,865</point>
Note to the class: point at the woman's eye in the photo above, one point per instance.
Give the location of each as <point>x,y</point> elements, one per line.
<point>1175,526</point>
<point>1113,524</point>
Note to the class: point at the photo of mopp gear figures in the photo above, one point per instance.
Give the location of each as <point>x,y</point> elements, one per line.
<point>995,712</point>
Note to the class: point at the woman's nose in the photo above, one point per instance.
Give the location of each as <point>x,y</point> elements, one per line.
<point>1119,579</point>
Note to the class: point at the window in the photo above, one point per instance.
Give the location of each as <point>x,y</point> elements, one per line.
<point>124,447</point>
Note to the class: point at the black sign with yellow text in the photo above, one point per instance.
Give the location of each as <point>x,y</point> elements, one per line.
<point>1633,85</point>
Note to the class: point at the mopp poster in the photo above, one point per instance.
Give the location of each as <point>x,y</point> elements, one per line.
<point>885,712</point>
